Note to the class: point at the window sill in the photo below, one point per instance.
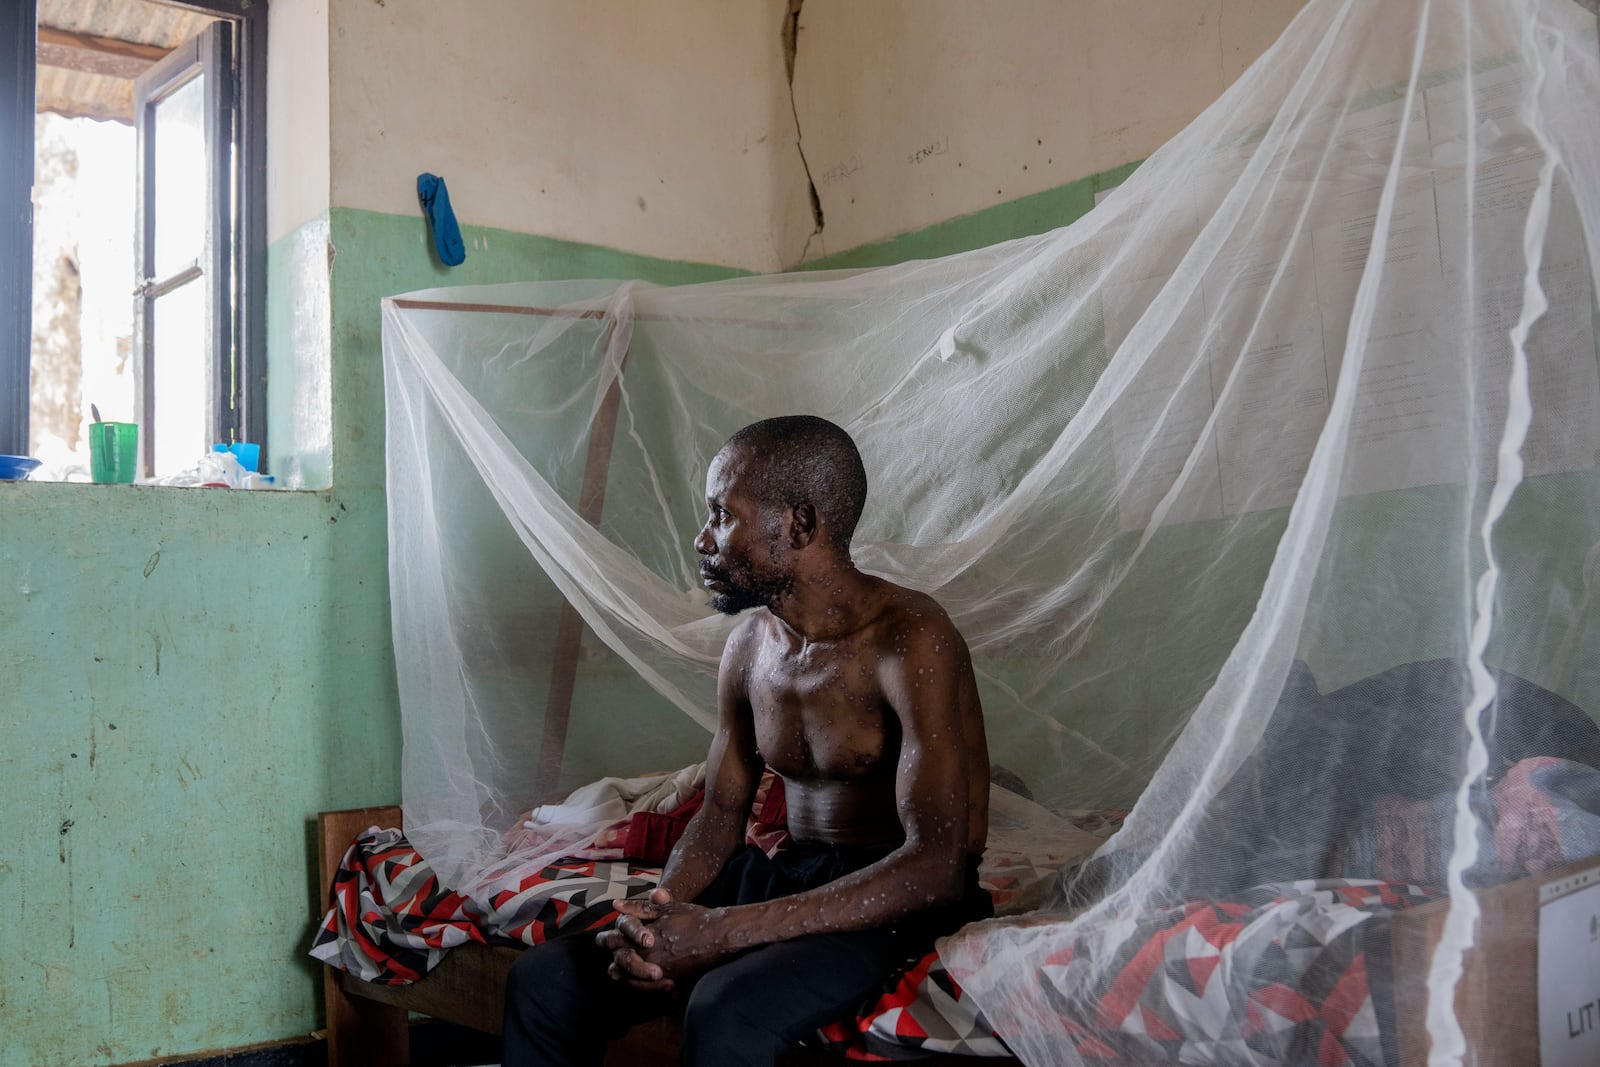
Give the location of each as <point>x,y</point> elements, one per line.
<point>81,483</point>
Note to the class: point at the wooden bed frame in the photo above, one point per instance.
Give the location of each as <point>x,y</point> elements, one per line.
<point>1496,1000</point>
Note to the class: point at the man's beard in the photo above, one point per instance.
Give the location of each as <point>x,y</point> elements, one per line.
<point>734,600</point>
<point>747,591</point>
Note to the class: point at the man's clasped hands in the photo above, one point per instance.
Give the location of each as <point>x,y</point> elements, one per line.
<point>657,940</point>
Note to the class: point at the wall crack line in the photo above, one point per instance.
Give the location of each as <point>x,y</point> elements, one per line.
<point>791,45</point>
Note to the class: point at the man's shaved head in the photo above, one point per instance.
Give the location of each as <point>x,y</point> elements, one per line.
<point>803,459</point>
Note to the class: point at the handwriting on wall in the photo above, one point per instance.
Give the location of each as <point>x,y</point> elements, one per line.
<point>928,151</point>
<point>840,171</point>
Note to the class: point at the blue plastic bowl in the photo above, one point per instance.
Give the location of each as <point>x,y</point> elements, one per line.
<point>16,468</point>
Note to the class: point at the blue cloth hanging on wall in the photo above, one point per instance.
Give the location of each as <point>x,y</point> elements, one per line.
<point>441,219</point>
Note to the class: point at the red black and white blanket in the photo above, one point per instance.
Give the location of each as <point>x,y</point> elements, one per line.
<point>1301,963</point>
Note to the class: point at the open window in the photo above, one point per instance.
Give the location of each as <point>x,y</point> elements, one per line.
<point>132,205</point>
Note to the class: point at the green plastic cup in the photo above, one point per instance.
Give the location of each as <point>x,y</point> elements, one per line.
<point>114,451</point>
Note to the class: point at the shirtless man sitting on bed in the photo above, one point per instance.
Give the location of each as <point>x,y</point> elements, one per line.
<point>860,693</point>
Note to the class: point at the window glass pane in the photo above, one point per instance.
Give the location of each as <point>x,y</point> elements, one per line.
<point>181,382</point>
<point>180,177</point>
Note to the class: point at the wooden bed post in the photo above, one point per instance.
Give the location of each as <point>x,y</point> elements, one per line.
<point>360,1031</point>
<point>569,632</point>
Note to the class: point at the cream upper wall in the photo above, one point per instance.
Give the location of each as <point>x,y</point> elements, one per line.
<point>916,111</point>
<point>658,128</point>
<point>666,128</point>
<point>297,114</point>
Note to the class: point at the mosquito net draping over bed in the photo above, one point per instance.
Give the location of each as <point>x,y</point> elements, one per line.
<point>1262,492</point>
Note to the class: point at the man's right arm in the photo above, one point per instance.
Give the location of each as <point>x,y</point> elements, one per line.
<point>733,771</point>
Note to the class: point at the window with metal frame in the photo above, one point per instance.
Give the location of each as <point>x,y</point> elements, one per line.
<point>198,286</point>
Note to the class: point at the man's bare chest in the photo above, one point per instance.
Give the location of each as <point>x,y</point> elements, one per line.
<point>822,717</point>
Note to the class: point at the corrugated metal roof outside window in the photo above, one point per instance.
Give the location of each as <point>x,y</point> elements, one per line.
<point>91,50</point>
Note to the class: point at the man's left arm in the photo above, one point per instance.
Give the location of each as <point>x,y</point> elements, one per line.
<point>922,685</point>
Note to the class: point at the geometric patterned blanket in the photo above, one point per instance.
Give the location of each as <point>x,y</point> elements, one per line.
<point>1284,974</point>
<point>391,922</point>
<point>1291,973</point>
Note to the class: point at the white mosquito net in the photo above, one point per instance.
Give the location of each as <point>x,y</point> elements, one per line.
<point>1265,495</point>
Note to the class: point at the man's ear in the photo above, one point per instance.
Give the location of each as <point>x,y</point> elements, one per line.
<point>802,525</point>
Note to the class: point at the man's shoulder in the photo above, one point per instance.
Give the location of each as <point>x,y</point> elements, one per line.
<point>908,613</point>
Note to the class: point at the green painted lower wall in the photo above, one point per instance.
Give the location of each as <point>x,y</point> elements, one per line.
<point>187,676</point>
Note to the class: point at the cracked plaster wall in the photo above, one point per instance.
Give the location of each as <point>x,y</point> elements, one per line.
<point>912,112</point>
